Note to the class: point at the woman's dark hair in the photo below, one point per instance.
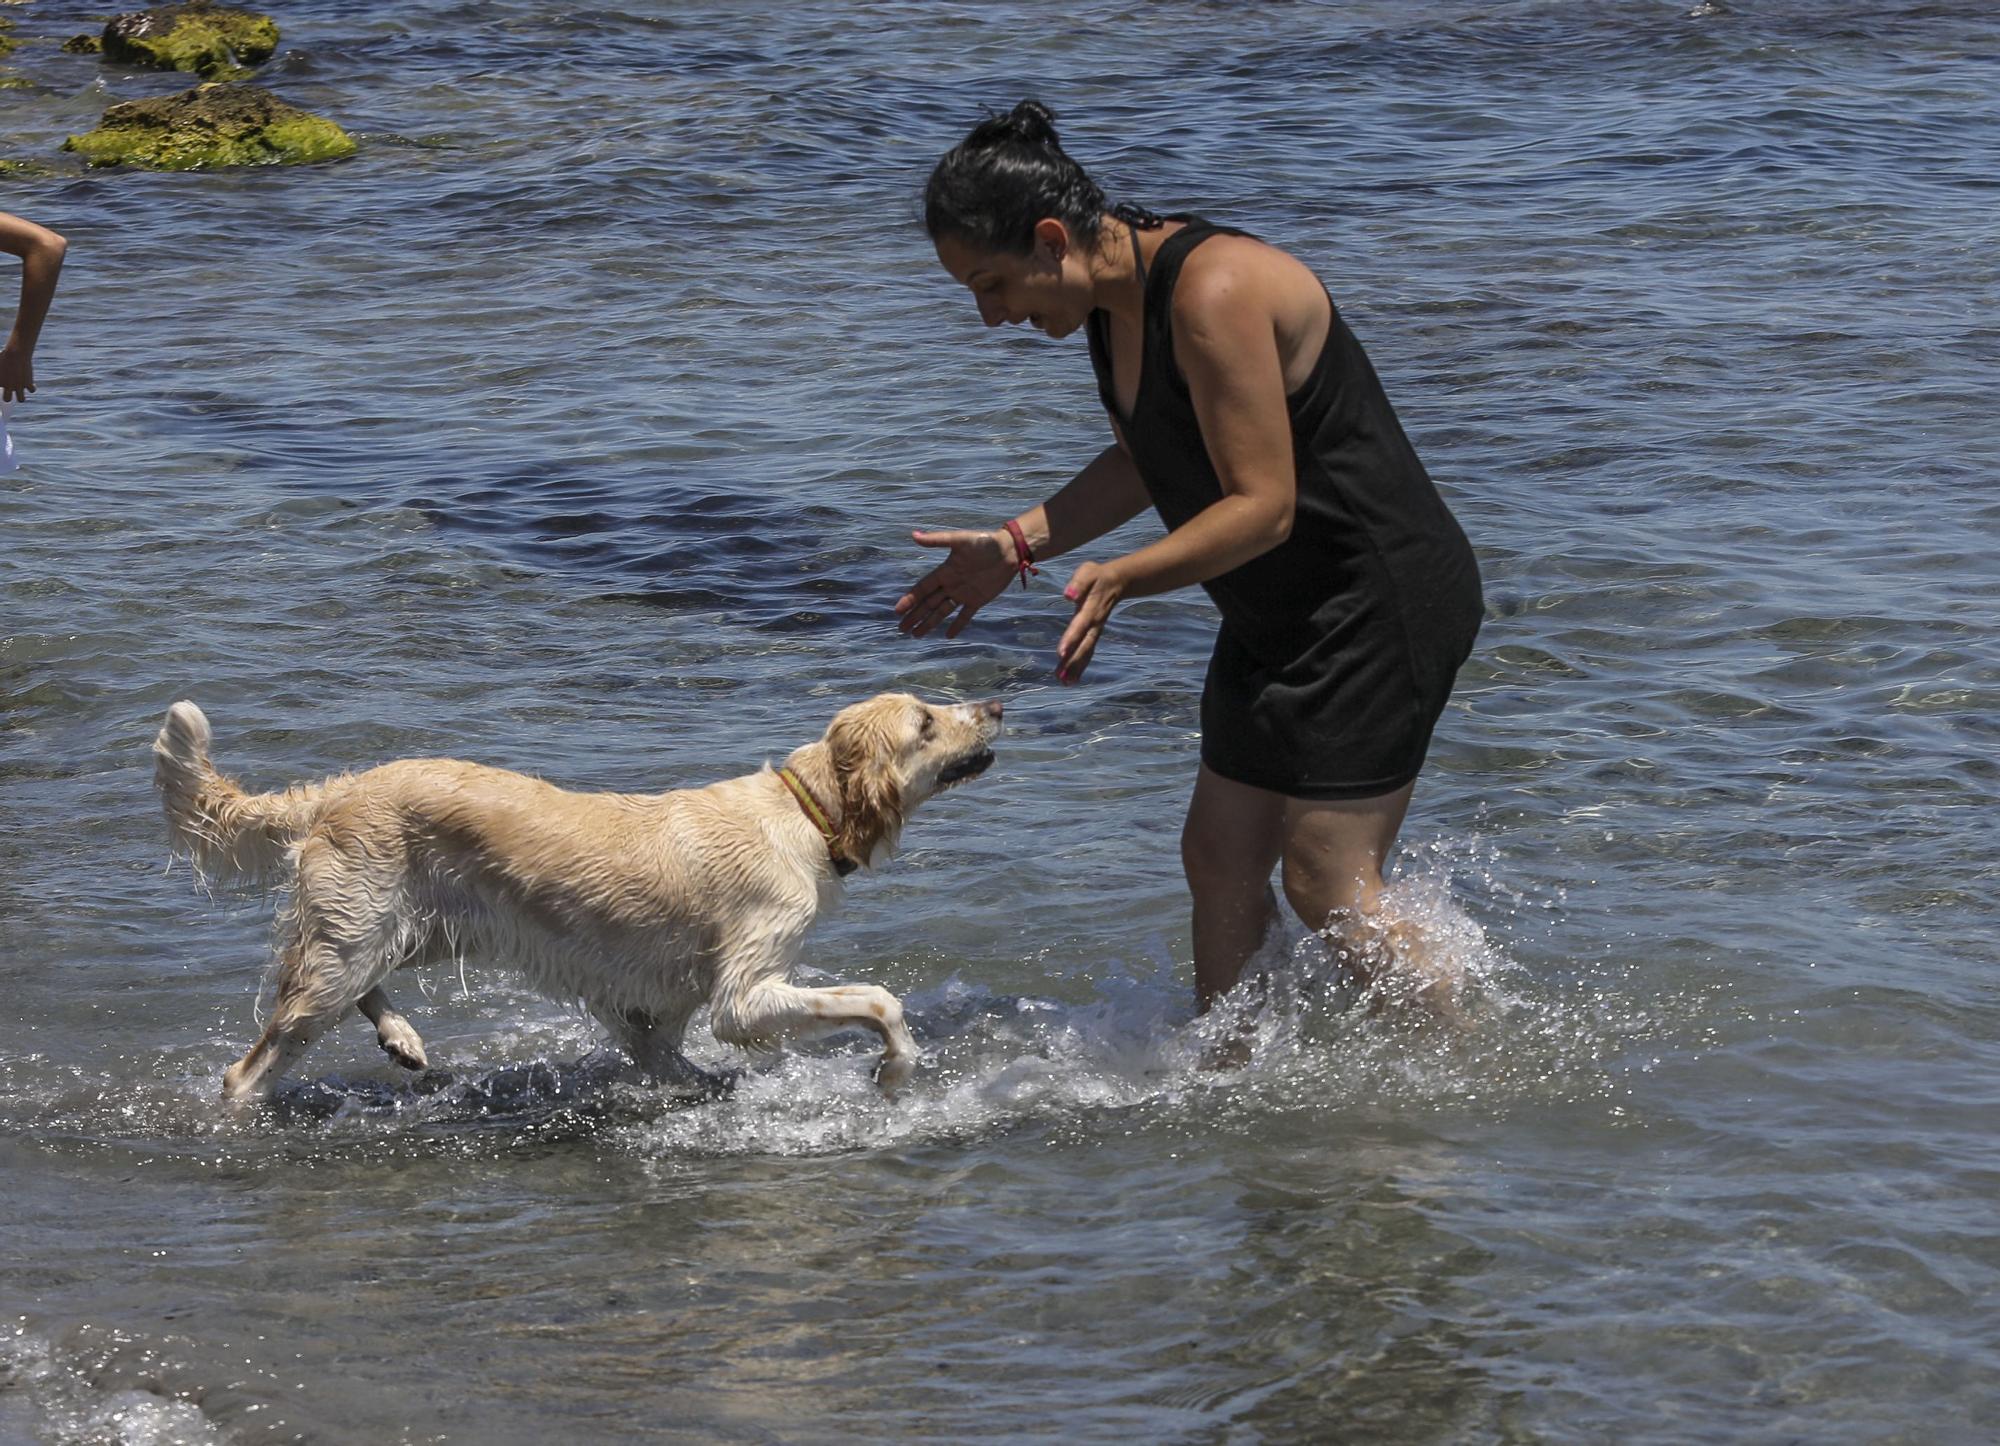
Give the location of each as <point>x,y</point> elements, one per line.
<point>1011,171</point>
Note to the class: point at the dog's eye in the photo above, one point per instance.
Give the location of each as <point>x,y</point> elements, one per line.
<point>928,726</point>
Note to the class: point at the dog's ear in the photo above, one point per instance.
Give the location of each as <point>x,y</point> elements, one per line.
<point>871,799</point>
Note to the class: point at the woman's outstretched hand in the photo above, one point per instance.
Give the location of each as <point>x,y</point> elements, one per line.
<point>1095,589</point>
<point>976,571</point>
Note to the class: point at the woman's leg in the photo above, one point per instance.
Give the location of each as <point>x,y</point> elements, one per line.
<point>1230,843</point>
<point>1333,856</point>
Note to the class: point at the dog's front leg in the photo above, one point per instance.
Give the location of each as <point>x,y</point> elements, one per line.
<point>395,1033</point>
<point>767,1014</point>
<point>654,1044</point>
<point>899,1046</point>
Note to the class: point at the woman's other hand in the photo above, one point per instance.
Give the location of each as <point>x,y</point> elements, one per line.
<point>1095,588</point>
<point>976,571</point>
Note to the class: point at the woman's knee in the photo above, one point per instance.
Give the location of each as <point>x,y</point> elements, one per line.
<point>1330,891</point>
<point>1232,837</point>
<point>1216,865</point>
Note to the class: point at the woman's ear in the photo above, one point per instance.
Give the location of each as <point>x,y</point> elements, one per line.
<point>1052,239</point>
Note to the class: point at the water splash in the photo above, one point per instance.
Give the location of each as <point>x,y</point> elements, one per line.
<point>1315,1041</point>
<point>51,1394</point>
<point>1312,1040</point>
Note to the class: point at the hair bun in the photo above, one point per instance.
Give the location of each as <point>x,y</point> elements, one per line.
<point>1028,124</point>
<point>1033,122</point>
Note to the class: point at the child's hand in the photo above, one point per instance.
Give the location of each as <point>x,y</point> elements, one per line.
<point>17,375</point>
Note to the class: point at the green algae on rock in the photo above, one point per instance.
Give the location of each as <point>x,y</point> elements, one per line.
<point>84,45</point>
<point>198,36</point>
<point>211,125</point>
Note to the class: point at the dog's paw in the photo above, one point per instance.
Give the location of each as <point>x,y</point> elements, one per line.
<point>892,1071</point>
<point>402,1044</point>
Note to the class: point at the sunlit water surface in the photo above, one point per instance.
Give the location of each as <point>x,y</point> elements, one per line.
<point>577,424</point>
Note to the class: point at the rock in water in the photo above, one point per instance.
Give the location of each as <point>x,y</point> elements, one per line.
<point>199,36</point>
<point>211,125</point>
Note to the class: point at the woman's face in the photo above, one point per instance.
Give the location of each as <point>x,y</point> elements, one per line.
<point>1048,288</point>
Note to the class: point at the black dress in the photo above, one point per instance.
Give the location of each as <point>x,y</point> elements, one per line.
<point>1338,647</point>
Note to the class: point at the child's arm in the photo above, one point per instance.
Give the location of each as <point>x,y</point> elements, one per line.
<point>41,252</point>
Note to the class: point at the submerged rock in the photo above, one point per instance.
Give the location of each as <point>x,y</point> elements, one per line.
<point>199,36</point>
<point>84,45</point>
<point>211,125</point>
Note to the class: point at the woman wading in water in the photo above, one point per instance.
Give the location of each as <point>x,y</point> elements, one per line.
<point>1243,410</point>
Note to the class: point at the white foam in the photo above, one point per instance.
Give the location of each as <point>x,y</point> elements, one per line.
<point>53,1401</point>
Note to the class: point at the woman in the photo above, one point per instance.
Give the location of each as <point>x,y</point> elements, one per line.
<point>1244,411</point>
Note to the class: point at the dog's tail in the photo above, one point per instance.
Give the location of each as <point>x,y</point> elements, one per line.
<point>226,831</point>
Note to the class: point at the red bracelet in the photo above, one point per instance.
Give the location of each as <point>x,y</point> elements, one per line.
<point>1024,557</point>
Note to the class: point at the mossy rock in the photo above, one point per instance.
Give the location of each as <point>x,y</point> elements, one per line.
<point>199,36</point>
<point>211,125</point>
<point>84,45</point>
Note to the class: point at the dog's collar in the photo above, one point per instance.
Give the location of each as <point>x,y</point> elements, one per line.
<point>842,864</point>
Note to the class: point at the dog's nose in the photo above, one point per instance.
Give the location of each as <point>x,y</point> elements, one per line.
<point>992,708</point>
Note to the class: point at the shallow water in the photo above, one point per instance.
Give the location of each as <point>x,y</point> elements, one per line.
<point>576,425</point>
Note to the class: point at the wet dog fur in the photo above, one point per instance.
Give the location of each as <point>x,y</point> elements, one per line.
<point>643,907</point>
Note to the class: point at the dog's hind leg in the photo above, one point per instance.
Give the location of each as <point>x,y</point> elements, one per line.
<point>397,1036</point>
<point>300,1014</point>
<point>330,960</point>
<point>250,1079</point>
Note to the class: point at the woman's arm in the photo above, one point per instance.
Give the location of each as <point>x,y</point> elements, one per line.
<point>41,252</point>
<point>1225,339</point>
<point>1105,495</point>
<point>1101,498</point>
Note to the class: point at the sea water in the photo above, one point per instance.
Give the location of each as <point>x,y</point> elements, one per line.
<point>578,423</point>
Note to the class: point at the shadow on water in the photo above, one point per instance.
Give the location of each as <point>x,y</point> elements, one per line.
<point>552,1099</point>
<point>767,563</point>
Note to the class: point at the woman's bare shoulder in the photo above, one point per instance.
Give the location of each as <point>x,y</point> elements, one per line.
<point>1226,274</point>
<point>1229,271</point>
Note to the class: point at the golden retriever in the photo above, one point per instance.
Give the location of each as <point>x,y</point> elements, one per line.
<point>642,907</point>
